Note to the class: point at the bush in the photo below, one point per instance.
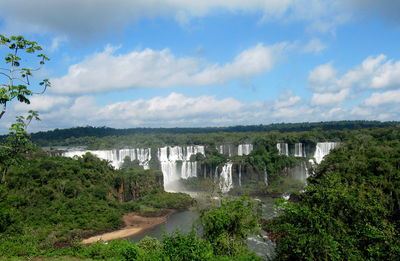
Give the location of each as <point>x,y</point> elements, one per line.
<point>182,247</point>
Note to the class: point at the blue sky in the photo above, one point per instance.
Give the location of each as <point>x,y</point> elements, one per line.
<point>168,63</point>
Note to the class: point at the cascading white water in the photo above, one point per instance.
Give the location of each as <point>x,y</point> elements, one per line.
<point>244,149</point>
<point>116,157</point>
<point>175,163</point>
<point>226,182</point>
<point>299,150</point>
<point>265,177</point>
<point>240,175</point>
<point>231,150</point>
<point>283,148</point>
<point>322,149</point>
<point>300,171</point>
<point>227,149</point>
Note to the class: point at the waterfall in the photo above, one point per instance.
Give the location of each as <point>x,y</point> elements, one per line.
<point>283,148</point>
<point>240,175</point>
<point>244,149</point>
<point>300,171</point>
<point>225,182</point>
<point>322,149</point>
<point>231,150</point>
<point>175,163</point>
<point>265,177</point>
<point>299,150</point>
<point>116,157</point>
<point>227,149</point>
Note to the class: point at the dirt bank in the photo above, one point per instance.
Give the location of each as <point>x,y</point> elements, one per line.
<point>134,224</point>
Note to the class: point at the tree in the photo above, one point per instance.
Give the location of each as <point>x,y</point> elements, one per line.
<point>18,78</point>
<point>228,226</point>
<point>17,143</point>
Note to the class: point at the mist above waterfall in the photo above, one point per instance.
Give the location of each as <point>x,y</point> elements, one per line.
<point>176,164</point>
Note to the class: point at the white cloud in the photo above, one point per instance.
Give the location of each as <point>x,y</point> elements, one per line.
<point>322,77</point>
<point>55,43</point>
<point>174,106</point>
<point>388,97</point>
<point>375,72</point>
<point>315,45</point>
<point>150,68</point>
<point>178,110</point>
<point>287,102</point>
<point>327,99</point>
<point>172,110</point>
<point>358,111</point>
<point>291,114</point>
<point>42,103</point>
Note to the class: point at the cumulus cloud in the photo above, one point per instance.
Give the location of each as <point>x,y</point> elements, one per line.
<point>151,68</point>
<point>375,72</point>
<point>85,19</point>
<point>42,103</point>
<point>172,110</point>
<point>178,110</point>
<point>327,99</point>
<point>287,99</point>
<point>322,77</point>
<point>383,98</point>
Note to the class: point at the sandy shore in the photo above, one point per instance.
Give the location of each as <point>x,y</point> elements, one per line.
<point>134,224</point>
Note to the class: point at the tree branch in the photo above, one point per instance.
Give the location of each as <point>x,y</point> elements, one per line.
<point>3,110</point>
<point>6,75</point>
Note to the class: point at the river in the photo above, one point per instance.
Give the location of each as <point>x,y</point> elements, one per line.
<point>186,220</point>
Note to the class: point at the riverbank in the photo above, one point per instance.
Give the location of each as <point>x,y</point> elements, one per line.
<point>133,224</point>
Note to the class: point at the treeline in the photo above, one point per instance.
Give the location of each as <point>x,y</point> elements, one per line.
<point>88,131</point>
<point>212,139</point>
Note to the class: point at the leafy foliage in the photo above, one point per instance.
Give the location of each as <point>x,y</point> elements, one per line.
<point>50,202</point>
<point>350,209</point>
<point>18,78</point>
<point>228,226</point>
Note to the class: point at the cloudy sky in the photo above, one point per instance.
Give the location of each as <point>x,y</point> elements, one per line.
<point>168,63</point>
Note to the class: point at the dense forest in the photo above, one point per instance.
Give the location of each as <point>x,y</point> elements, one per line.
<point>350,209</point>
